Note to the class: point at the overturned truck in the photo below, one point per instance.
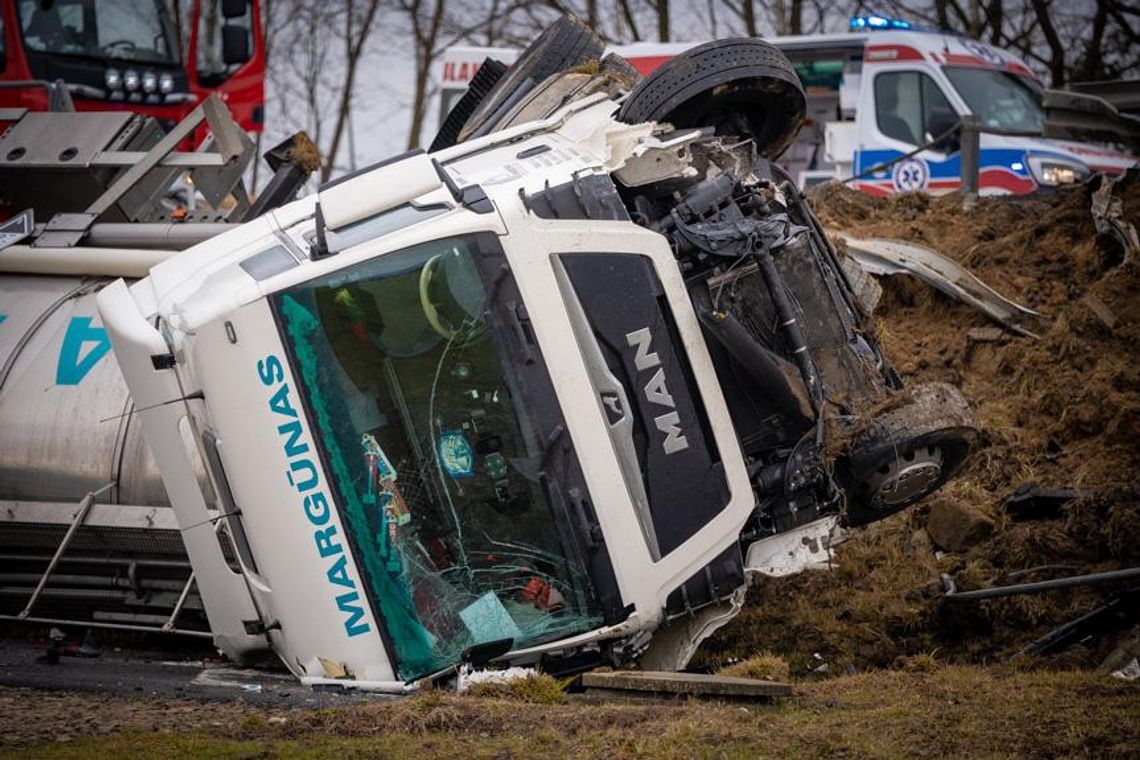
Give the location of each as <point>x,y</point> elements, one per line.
<point>550,394</point>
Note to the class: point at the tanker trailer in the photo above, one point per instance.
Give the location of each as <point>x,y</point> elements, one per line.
<point>76,474</point>
<point>87,535</point>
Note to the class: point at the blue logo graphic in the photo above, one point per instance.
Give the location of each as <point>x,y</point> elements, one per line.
<point>74,362</point>
<point>911,175</point>
<point>2,318</point>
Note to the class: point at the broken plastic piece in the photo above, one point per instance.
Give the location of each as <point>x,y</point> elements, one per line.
<point>487,619</point>
<point>882,257</point>
<point>469,678</point>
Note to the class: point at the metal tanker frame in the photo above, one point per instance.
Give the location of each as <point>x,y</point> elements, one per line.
<point>87,535</point>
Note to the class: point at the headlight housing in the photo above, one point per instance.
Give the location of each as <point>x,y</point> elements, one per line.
<point>1051,171</point>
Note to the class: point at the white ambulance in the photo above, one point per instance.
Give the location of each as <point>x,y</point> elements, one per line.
<point>882,90</point>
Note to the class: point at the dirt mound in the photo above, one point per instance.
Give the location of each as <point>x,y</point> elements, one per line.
<point>1062,411</point>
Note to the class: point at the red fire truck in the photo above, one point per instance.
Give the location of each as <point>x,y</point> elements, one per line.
<point>153,57</point>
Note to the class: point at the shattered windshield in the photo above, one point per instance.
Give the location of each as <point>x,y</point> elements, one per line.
<point>121,30</point>
<point>429,442</point>
<point>998,98</point>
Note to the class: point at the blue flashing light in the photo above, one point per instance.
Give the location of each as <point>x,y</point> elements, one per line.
<point>878,22</point>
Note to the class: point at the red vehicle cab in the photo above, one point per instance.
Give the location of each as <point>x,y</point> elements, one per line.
<point>128,55</point>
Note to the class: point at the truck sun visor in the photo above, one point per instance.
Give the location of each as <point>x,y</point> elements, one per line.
<point>377,188</point>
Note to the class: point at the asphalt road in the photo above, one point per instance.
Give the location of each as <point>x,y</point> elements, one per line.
<point>166,672</point>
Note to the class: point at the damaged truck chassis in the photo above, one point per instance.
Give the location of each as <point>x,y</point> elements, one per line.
<point>552,394</point>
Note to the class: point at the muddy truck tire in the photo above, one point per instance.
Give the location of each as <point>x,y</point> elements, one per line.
<point>489,73</point>
<point>907,453</point>
<point>563,45</point>
<point>740,86</point>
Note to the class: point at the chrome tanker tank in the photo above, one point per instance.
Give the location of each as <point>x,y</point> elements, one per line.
<point>64,408</point>
<point>76,473</point>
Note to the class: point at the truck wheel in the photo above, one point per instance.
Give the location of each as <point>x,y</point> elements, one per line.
<point>907,453</point>
<point>740,86</point>
<point>490,72</point>
<point>565,43</point>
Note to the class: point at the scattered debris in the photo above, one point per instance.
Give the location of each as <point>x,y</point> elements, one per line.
<point>884,257</point>
<point>1129,672</point>
<point>1034,502</point>
<point>1125,652</point>
<point>808,547</point>
<point>469,678</point>
<point>89,647</point>
<point>1119,613</point>
<point>1109,217</point>
<point>332,668</point>
<point>1037,587</point>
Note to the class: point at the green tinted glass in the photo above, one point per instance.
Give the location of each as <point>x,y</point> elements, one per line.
<point>428,442</point>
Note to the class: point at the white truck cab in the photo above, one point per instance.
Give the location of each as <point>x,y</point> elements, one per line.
<point>553,394</point>
<point>413,459</point>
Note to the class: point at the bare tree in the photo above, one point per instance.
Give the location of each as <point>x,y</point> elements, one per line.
<point>358,25</point>
<point>315,50</point>
<point>426,19</point>
<point>1066,39</point>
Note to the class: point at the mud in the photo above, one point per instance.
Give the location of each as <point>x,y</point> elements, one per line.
<point>1062,411</point>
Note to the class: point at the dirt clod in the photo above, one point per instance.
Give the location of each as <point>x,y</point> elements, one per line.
<point>955,526</point>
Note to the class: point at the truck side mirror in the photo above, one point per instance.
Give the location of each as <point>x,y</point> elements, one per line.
<point>235,44</point>
<point>939,121</point>
<point>234,8</point>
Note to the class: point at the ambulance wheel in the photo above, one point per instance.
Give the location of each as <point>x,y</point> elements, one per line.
<point>563,45</point>
<point>489,73</point>
<point>907,453</point>
<point>743,87</point>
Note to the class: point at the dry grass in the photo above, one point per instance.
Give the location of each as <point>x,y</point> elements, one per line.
<point>765,666</point>
<point>536,689</point>
<point>948,711</point>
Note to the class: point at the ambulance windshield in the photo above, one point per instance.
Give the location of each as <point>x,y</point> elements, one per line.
<point>435,453</point>
<point>1000,99</point>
